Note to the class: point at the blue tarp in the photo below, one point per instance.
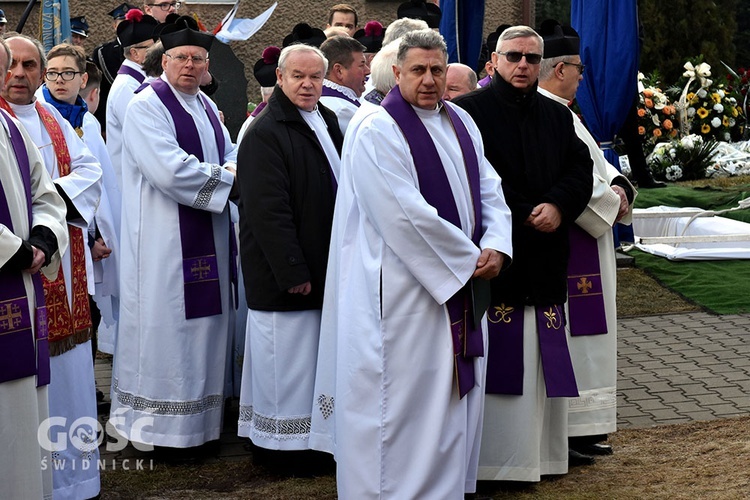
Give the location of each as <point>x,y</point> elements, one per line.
<point>461,25</point>
<point>610,51</point>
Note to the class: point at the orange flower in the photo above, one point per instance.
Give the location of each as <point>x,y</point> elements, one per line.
<point>657,132</point>
<point>667,124</point>
<point>642,130</point>
<point>673,132</point>
<point>641,112</point>
<point>668,110</point>
<point>649,103</point>
<point>648,93</point>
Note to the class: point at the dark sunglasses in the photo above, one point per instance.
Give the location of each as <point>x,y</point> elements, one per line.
<point>514,57</point>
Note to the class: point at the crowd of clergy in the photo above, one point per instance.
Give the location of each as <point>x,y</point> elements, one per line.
<point>404,273</point>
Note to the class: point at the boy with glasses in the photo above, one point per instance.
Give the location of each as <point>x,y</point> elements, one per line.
<point>160,9</point>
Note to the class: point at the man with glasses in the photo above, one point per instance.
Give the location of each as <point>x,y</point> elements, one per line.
<point>176,305</point>
<point>160,9</point>
<point>592,315</point>
<point>136,34</point>
<point>546,170</point>
<point>77,177</point>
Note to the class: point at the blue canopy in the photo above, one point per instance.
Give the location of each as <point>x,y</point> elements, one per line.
<point>55,20</point>
<point>461,25</point>
<point>610,51</point>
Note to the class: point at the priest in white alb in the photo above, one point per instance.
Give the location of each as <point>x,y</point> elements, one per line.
<point>176,306</point>
<point>592,269</point>
<point>33,233</point>
<point>420,226</point>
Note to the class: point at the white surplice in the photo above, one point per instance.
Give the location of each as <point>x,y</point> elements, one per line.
<point>168,373</point>
<point>23,406</point>
<point>107,271</point>
<point>122,92</point>
<point>343,108</point>
<point>386,402</point>
<point>594,357</point>
<point>71,391</point>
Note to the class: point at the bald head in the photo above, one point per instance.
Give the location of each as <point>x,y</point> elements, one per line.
<point>460,79</point>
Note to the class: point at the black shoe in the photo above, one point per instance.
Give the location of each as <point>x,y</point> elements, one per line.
<point>595,449</point>
<point>575,459</point>
<point>99,396</point>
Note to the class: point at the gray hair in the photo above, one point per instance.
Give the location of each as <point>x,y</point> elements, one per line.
<point>37,44</point>
<point>423,39</point>
<point>152,60</point>
<point>9,56</point>
<point>301,47</point>
<point>400,27</point>
<point>547,68</point>
<point>381,67</point>
<point>471,75</point>
<point>519,32</point>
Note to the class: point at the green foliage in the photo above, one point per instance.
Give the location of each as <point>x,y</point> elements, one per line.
<point>679,29</point>
<point>552,9</point>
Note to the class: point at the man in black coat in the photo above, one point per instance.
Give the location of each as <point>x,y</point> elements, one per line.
<point>287,165</point>
<point>547,181</point>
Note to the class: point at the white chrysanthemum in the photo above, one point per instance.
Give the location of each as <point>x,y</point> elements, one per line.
<point>721,93</point>
<point>732,122</point>
<point>691,112</point>
<point>727,137</point>
<point>733,101</point>
<point>672,153</point>
<point>702,93</point>
<point>716,122</point>
<point>687,141</point>
<point>673,172</point>
<point>718,108</point>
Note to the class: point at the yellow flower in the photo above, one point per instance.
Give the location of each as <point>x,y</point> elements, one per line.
<point>725,121</point>
<point>716,97</point>
<point>702,112</point>
<point>734,112</point>
<point>706,128</point>
<point>690,96</point>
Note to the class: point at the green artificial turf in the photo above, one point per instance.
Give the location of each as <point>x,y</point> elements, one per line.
<point>707,197</point>
<point>721,286</point>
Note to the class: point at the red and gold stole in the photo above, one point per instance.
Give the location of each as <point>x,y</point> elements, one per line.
<point>66,329</point>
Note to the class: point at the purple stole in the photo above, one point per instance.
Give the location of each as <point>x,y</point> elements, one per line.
<point>260,107</point>
<point>484,81</point>
<point>434,186</point>
<point>586,312</point>
<point>329,92</point>
<point>199,263</point>
<point>127,70</point>
<point>505,359</point>
<point>18,352</point>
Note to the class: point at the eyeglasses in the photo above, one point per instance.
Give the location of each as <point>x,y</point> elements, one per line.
<point>580,67</point>
<point>183,59</point>
<point>66,75</point>
<point>514,57</point>
<point>166,5</point>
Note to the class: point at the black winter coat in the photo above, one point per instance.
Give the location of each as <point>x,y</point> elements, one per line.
<point>531,141</point>
<point>286,206</point>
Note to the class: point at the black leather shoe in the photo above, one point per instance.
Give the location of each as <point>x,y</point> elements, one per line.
<point>575,459</point>
<point>595,449</point>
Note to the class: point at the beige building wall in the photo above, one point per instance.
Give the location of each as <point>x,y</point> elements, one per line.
<point>287,14</point>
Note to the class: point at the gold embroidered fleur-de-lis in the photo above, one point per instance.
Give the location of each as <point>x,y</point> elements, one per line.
<point>500,314</point>
<point>553,319</point>
<point>584,285</point>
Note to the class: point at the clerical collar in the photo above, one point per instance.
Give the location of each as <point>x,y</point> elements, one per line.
<point>24,108</point>
<point>344,90</point>
<point>428,113</point>
<point>554,97</point>
<point>303,112</point>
